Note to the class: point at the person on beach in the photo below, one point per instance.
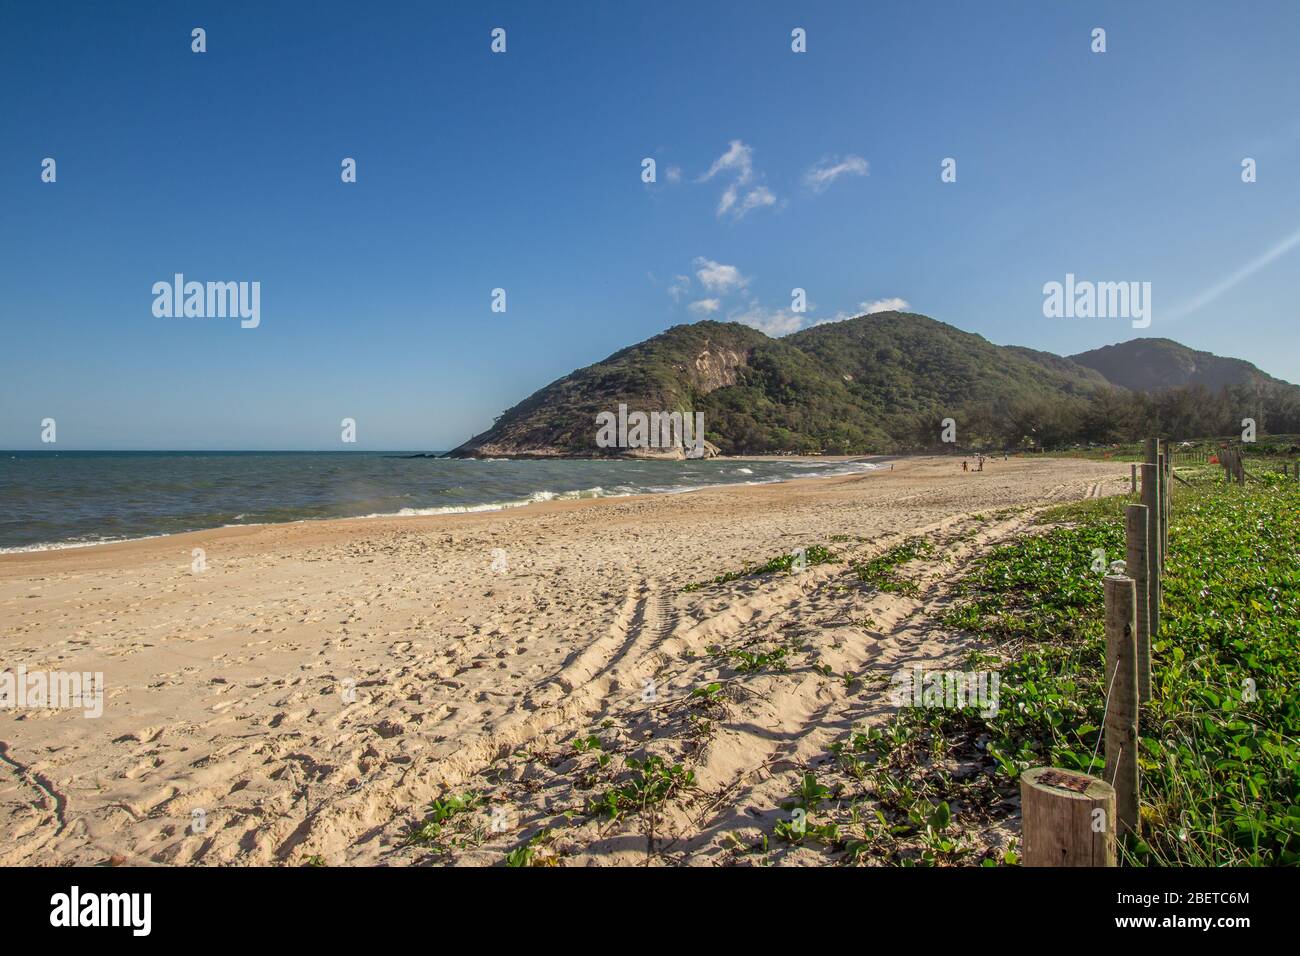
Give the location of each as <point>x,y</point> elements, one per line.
<point>963,465</point>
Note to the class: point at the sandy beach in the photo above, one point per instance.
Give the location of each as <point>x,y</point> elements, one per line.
<point>301,692</point>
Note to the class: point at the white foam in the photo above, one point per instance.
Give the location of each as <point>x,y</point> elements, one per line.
<point>536,497</point>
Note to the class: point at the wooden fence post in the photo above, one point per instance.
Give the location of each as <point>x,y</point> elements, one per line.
<point>1133,479</point>
<point>1163,484</point>
<point>1153,461</point>
<point>1060,825</point>
<point>1169,498</point>
<point>1121,724</point>
<point>1151,498</point>
<point>1138,568</point>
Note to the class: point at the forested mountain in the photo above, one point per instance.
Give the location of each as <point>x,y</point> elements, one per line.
<point>884,382</point>
<point>1149,364</point>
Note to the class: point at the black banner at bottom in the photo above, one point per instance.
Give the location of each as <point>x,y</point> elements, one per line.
<point>333,906</point>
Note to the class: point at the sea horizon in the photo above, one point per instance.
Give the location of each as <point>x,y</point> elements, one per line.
<point>103,496</point>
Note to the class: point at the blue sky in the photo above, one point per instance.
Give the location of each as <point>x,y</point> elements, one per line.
<point>523,171</point>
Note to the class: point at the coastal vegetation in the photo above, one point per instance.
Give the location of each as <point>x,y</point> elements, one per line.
<point>1220,740</point>
<point>886,382</point>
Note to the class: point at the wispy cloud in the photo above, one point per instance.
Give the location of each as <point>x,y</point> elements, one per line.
<point>743,194</point>
<point>1276,251</point>
<point>738,159</point>
<point>820,177</point>
<point>679,287</point>
<point>705,306</point>
<point>735,205</point>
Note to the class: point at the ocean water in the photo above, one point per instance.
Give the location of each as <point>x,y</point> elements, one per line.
<point>51,499</point>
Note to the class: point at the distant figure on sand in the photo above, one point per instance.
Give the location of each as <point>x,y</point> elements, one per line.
<point>963,465</point>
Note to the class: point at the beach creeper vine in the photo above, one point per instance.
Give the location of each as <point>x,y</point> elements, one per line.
<point>953,690</point>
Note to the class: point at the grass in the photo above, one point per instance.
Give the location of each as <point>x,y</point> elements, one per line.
<point>1219,756</point>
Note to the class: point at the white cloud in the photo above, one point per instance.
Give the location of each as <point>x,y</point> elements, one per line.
<point>821,175</point>
<point>774,322</point>
<point>884,305</point>
<point>868,308</point>
<point>736,201</point>
<point>716,277</point>
<point>738,159</point>
<point>756,199</point>
<point>673,174</point>
<point>679,287</point>
<point>705,306</point>
<point>728,200</point>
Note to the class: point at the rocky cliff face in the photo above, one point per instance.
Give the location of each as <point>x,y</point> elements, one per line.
<point>668,373</point>
<point>715,367</point>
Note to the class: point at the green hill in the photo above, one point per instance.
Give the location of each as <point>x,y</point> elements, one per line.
<point>879,383</point>
<point>1149,364</point>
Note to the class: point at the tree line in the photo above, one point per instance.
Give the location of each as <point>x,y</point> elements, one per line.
<point>1110,416</point>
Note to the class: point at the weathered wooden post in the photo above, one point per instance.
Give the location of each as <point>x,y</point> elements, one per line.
<point>1133,479</point>
<point>1169,502</point>
<point>1163,505</point>
<point>1168,484</point>
<point>1136,563</point>
<point>1066,819</point>
<point>1121,682</point>
<point>1151,499</point>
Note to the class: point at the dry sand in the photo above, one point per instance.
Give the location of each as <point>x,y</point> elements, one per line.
<point>314,688</point>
